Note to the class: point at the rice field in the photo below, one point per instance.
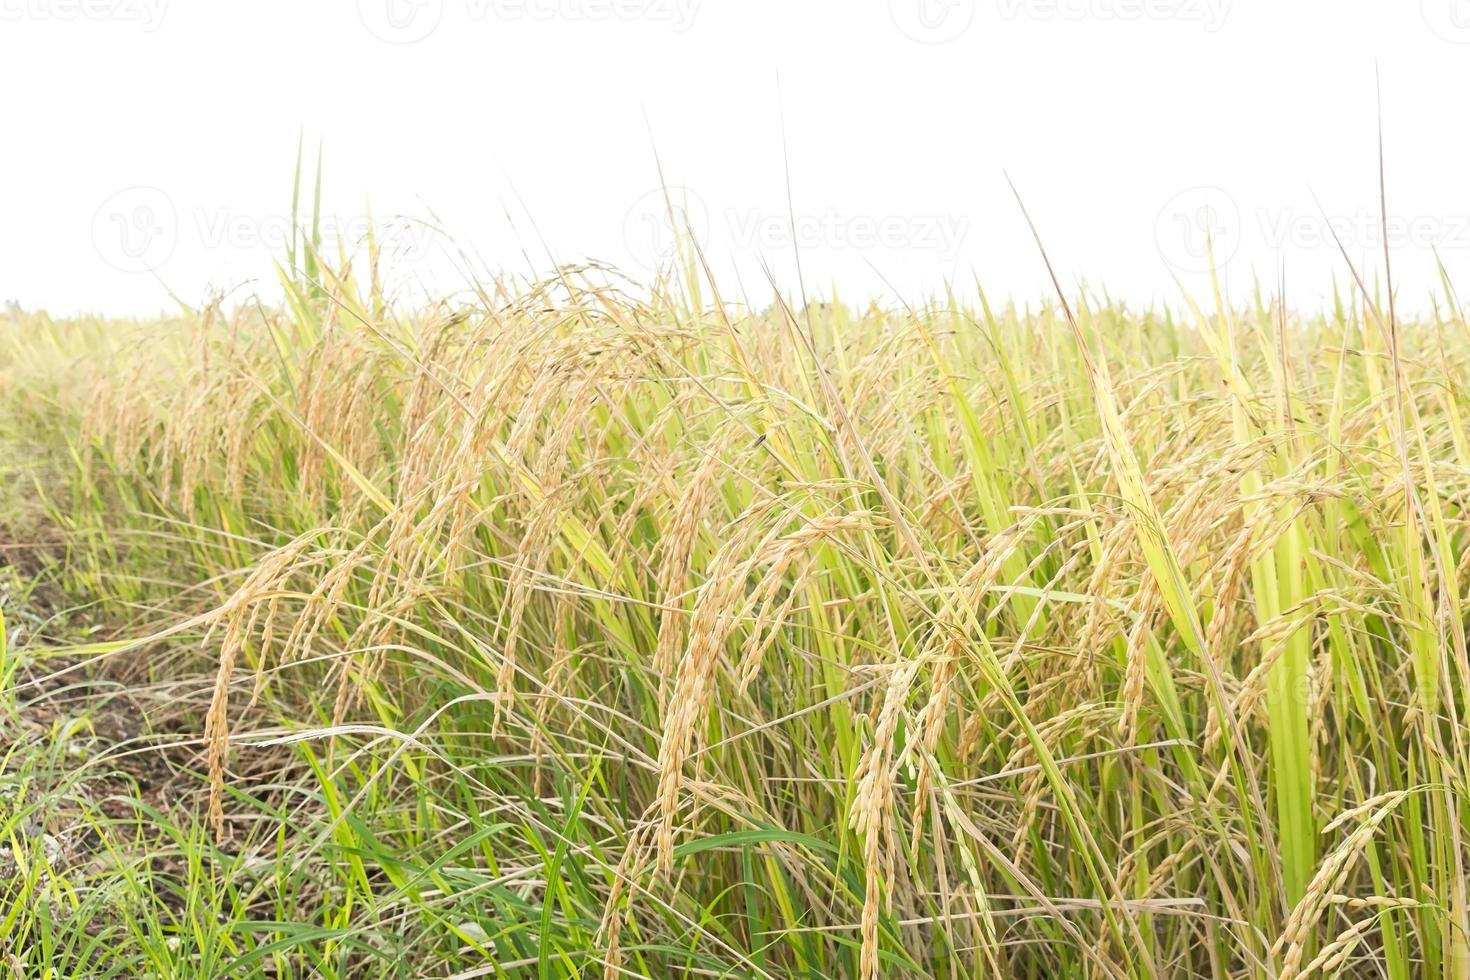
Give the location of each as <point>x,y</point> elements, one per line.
<point>561,630</point>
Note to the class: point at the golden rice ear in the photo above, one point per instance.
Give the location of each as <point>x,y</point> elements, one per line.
<point>677,560</point>
<point>871,813</point>
<point>712,622</point>
<point>236,621</point>
<point>1330,874</point>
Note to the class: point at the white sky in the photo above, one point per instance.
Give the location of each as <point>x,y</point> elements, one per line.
<point>163,133</point>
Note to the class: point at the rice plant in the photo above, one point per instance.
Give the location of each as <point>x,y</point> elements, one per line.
<point>563,632</point>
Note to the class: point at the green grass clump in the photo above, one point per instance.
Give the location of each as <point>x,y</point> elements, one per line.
<point>558,633</point>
